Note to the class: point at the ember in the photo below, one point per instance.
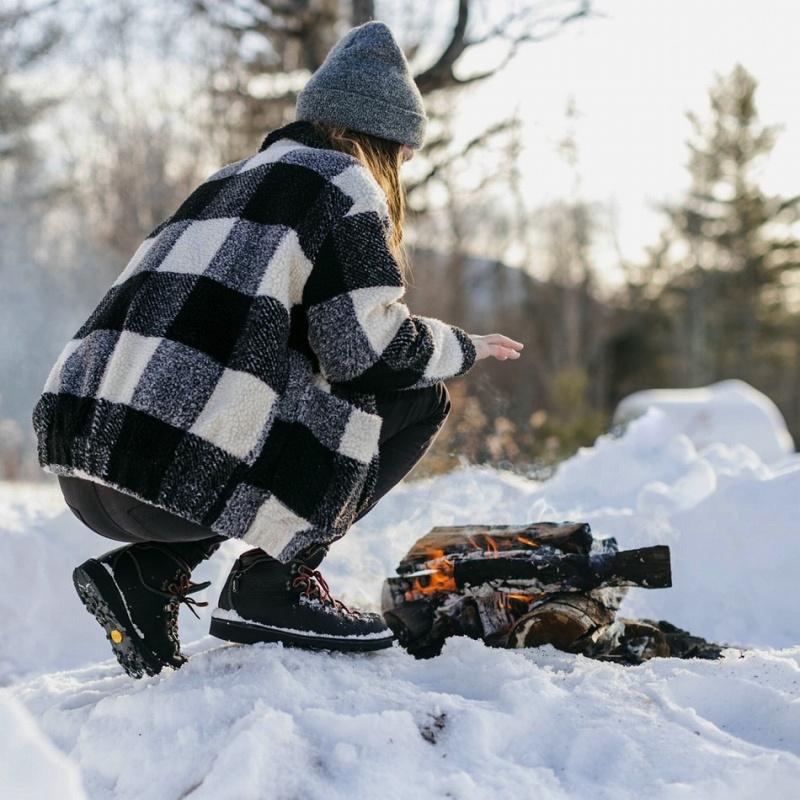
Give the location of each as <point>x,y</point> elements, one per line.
<point>513,586</point>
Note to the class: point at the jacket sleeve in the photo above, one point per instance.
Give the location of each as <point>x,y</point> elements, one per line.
<point>359,327</point>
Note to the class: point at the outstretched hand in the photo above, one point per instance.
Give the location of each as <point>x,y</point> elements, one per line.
<point>497,346</point>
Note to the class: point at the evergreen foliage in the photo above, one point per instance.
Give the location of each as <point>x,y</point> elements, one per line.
<point>724,279</point>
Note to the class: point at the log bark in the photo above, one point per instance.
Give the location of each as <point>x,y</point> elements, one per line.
<point>648,567</point>
<point>568,537</point>
<point>569,622</point>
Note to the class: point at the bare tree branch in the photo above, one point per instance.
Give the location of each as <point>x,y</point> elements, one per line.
<point>451,158</point>
<point>531,28</point>
<point>363,11</point>
<point>440,74</point>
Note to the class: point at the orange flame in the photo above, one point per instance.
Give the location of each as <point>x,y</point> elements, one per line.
<point>437,559</point>
<point>440,578</point>
<point>484,543</point>
<point>441,575</point>
<point>527,541</point>
<point>435,582</point>
<point>525,599</point>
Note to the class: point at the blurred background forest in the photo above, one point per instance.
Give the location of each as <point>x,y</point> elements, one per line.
<point>111,112</point>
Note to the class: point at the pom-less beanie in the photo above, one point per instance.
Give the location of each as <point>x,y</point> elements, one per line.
<point>365,85</point>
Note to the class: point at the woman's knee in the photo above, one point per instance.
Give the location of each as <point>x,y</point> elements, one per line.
<point>443,404</point>
<point>432,404</point>
<point>404,410</point>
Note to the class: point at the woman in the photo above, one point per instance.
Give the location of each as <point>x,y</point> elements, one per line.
<point>254,374</point>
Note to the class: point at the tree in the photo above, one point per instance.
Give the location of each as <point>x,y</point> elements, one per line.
<point>22,44</point>
<point>27,37</point>
<point>730,257</point>
<point>135,143</point>
<point>270,47</point>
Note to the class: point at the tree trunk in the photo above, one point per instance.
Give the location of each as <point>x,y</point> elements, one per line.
<point>363,11</point>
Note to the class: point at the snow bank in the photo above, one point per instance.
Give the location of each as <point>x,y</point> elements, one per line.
<point>31,766</point>
<point>264,723</point>
<point>731,412</point>
<point>268,722</point>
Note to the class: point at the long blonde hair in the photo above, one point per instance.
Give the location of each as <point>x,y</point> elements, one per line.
<point>383,159</point>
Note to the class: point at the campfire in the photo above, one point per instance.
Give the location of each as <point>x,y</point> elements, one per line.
<point>525,586</point>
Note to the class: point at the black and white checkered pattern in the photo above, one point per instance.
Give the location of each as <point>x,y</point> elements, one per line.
<point>227,375</point>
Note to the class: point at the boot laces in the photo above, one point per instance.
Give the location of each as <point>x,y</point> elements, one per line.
<point>181,588</point>
<point>315,587</point>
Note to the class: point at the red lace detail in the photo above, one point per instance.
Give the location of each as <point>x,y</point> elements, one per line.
<point>182,587</point>
<point>315,587</point>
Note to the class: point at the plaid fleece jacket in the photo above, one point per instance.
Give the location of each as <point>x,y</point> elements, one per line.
<point>229,374</point>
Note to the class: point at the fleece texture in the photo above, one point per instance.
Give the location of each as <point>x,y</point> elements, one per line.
<point>229,374</point>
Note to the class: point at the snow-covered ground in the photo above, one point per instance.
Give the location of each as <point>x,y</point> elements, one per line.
<point>265,722</point>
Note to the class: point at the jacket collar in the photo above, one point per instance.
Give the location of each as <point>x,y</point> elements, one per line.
<point>302,132</point>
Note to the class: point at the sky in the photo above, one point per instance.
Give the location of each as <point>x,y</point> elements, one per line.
<point>633,71</point>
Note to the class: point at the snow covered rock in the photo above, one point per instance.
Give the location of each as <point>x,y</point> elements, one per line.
<point>730,412</point>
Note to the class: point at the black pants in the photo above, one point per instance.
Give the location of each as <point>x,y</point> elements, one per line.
<point>411,421</point>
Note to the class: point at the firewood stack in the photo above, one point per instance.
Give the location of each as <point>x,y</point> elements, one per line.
<point>525,586</point>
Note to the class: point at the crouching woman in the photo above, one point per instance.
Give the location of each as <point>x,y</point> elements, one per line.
<point>255,374</point>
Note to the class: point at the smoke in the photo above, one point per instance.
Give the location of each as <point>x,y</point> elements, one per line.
<point>39,312</point>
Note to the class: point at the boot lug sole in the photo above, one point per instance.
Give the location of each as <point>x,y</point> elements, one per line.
<point>244,633</point>
<point>95,588</point>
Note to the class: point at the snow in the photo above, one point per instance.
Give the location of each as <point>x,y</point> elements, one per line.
<point>265,721</point>
<point>730,411</point>
<point>32,767</point>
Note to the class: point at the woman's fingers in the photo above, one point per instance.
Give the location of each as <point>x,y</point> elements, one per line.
<point>497,346</point>
<point>503,347</point>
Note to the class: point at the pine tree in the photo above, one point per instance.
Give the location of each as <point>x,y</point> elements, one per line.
<point>729,257</point>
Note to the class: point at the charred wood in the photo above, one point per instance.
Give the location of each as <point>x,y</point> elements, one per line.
<point>567,536</point>
<point>531,585</point>
<point>575,623</point>
<point>648,567</point>
<point>683,644</point>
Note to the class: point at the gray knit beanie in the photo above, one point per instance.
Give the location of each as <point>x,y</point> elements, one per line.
<point>365,85</point>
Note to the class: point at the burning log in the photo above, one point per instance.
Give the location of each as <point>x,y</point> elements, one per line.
<point>548,572</point>
<point>517,586</point>
<point>569,537</point>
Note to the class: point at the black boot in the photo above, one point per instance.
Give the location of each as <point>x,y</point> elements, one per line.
<point>264,600</point>
<point>135,593</point>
